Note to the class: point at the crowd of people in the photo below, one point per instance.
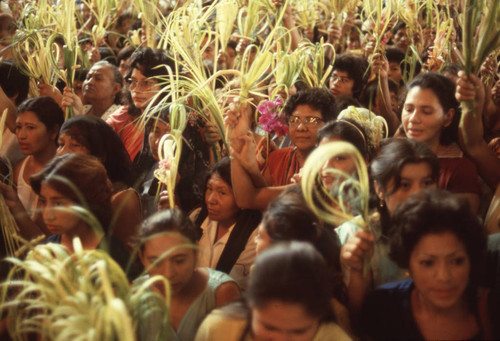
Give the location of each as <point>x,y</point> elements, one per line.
<point>247,254</point>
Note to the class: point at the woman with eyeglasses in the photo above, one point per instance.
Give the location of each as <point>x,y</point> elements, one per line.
<point>306,112</point>
<point>145,65</point>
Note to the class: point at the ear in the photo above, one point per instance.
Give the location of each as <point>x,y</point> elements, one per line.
<point>378,190</point>
<point>448,117</point>
<point>116,88</point>
<point>54,132</point>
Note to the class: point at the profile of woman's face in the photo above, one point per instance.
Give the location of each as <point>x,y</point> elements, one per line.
<point>440,267</point>
<point>278,320</point>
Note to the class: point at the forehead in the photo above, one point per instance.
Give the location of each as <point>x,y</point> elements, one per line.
<point>305,110</point>
<point>416,170</point>
<point>216,180</point>
<point>422,96</point>
<point>158,244</point>
<point>136,73</point>
<point>439,244</point>
<point>47,190</point>
<point>340,73</point>
<point>101,69</point>
<point>28,116</point>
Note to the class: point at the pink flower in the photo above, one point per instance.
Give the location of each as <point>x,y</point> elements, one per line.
<point>164,164</point>
<point>271,118</point>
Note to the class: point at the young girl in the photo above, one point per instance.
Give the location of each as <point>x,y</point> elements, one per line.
<point>75,198</point>
<point>168,250</point>
<point>295,304</point>
<point>403,167</point>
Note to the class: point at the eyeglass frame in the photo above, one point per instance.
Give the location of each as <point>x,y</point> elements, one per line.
<point>295,121</point>
<point>143,84</point>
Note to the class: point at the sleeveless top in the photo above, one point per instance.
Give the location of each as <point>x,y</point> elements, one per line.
<point>195,314</point>
<point>26,195</point>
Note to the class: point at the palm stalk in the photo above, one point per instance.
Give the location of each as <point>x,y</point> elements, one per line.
<point>313,72</point>
<point>105,13</point>
<point>149,15</point>
<point>7,221</point>
<point>350,194</point>
<point>79,296</point>
<point>252,18</point>
<point>227,12</point>
<point>481,36</point>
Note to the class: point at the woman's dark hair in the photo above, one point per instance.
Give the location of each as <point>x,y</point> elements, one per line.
<point>223,169</point>
<point>435,212</point>
<point>343,102</point>
<point>356,67</point>
<point>151,63</point>
<point>13,81</point>
<point>444,89</point>
<point>124,53</point>
<point>117,77</point>
<point>288,218</point>
<point>369,93</point>
<point>395,153</point>
<point>293,273</point>
<point>171,220</point>
<point>46,110</point>
<point>317,98</point>
<point>80,178</point>
<point>103,143</point>
<point>347,130</point>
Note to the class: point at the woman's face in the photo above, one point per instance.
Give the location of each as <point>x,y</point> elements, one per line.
<point>279,320</point>
<point>100,85</point>
<point>32,134</point>
<point>262,239</point>
<point>68,144</point>
<point>56,211</point>
<point>341,84</point>
<point>177,262</point>
<point>159,129</point>
<point>220,201</point>
<point>304,124</point>
<point>401,39</point>
<point>142,89</point>
<point>415,177</point>
<point>440,267</point>
<point>423,116</point>
<point>345,163</point>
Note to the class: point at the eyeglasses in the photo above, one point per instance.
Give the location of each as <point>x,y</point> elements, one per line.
<point>343,80</point>
<point>144,84</point>
<point>309,121</point>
